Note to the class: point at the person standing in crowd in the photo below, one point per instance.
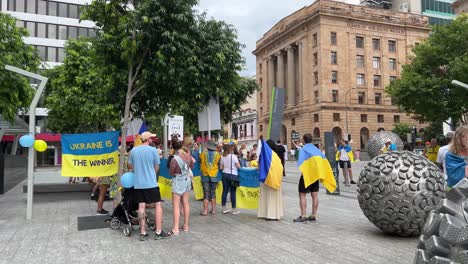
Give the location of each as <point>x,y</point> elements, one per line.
<point>298,148</point>
<point>345,156</point>
<point>103,185</point>
<point>304,190</point>
<point>243,155</point>
<point>444,150</point>
<point>280,150</point>
<point>430,152</point>
<point>270,202</point>
<point>196,151</point>
<point>229,165</point>
<point>144,162</point>
<point>179,169</point>
<point>456,161</point>
<point>286,151</point>
<point>386,147</point>
<point>253,151</point>
<point>209,167</point>
<point>253,162</point>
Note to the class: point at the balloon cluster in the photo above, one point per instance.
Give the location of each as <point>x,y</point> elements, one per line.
<point>28,141</point>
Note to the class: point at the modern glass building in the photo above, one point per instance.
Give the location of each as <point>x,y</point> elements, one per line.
<point>49,23</point>
<point>440,12</point>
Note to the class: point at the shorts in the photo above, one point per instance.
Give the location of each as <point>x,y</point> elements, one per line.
<point>209,190</point>
<point>342,163</point>
<point>181,184</point>
<point>149,196</point>
<point>314,187</point>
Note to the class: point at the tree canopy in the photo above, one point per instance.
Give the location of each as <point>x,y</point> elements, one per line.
<point>15,90</point>
<point>425,87</point>
<point>79,96</point>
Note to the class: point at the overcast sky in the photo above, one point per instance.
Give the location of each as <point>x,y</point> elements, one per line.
<point>252,18</point>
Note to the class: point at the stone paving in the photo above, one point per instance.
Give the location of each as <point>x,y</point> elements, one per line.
<point>341,235</point>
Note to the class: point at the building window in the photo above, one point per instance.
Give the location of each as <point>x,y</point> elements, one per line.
<point>392,46</point>
<point>363,118</point>
<point>251,129</point>
<point>62,10</point>
<point>376,62</point>
<point>334,59</point>
<point>316,79</point>
<point>52,10</point>
<point>31,6</point>
<point>378,98</point>
<point>72,32</point>
<point>62,32</point>
<point>83,32</point>
<point>392,64</point>
<point>74,11</point>
<point>334,77</point>
<point>380,118</point>
<point>42,7</point>
<point>11,5</point>
<point>335,96</point>
<point>19,23</point>
<point>261,128</point>
<point>377,80</point>
<point>315,59</point>
<point>361,97</point>
<point>396,119</point>
<point>41,30</point>
<point>392,78</point>
<point>261,111</point>
<point>336,117</point>
<point>333,38</point>
<point>61,55</point>
<point>316,118</point>
<point>376,44</point>
<point>260,68</point>
<point>51,31</point>
<point>42,52</point>
<point>20,6</point>
<point>31,27</point>
<point>359,42</point>
<point>361,80</point>
<point>316,96</point>
<point>91,33</point>
<point>392,100</point>
<point>360,61</point>
<point>293,121</point>
<point>315,40</point>
<point>52,54</point>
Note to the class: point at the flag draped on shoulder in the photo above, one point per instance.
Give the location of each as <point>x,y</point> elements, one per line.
<point>137,140</point>
<point>271,169</point>
<point>314,166</point>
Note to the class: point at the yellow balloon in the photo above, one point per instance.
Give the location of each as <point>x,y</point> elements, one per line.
<point>40,145</point>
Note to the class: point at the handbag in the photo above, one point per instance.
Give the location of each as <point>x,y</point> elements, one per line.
<point>234,178</point>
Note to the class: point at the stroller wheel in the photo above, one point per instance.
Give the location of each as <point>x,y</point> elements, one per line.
<point>127,231</point>
<point>115,223</point>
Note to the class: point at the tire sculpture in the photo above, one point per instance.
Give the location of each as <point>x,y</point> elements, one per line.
<point>397,190</point>
<point>377,141</point>
<point>444,238</point>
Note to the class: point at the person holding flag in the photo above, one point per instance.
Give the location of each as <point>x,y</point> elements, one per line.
<point>270,203</point>
<point>314,166</point>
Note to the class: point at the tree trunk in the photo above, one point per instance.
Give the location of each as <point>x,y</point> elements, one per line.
<point>126,121</point>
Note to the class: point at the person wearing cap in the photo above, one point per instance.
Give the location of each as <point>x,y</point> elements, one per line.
<point>144,162</point>
<point>443,150</point>
<point>431,150</point>
<point>209,167</point>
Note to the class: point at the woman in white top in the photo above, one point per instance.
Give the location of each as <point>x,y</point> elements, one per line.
<point>229,165</point>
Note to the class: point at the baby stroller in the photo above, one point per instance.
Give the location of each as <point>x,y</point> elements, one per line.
<point>126,213</point>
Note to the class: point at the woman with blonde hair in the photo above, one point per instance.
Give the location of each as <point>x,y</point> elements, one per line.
<point>456,161</point>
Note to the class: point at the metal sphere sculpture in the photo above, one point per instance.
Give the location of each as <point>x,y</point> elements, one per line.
<point>398,189</point>
<point>377,141</point>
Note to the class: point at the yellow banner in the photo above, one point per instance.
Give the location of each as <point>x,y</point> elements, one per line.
<point>247,198</point>
<point>90,165</point>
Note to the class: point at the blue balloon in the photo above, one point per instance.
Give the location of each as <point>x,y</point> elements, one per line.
<point>26,141</point>
<point>127,179</point>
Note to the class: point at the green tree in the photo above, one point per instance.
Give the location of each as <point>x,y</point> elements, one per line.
<point>79,96</point>
<point>425,86</point>
<point>402,129</point>
<point>163,57</point>
<point>15,90</point>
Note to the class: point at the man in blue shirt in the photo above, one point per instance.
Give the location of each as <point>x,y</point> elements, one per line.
<point>144,162</point>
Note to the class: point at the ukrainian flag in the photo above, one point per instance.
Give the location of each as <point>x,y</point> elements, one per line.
<point>137,140</point>
<point>269,164</point>
<point>314,166</point>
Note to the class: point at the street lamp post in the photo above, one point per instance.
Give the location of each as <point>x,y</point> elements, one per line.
<point>346,111</point>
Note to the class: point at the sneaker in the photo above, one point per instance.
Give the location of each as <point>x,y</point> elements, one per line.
<point>353,182</point>
<point>311,218</point>
<point>300,219</point>
<point>92,196</point>
<point>144,236</point>
<point>161,235</point>
<point>226,210</point>
<point>235,211</point>
<point>102,212</point>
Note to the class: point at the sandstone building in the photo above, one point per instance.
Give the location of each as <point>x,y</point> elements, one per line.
<point>335,60</point>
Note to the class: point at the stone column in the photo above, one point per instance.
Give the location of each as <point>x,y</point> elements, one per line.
<point>299,70</point>
<point>270,82</point>
<point>280,77</point>
<point>291,84</point>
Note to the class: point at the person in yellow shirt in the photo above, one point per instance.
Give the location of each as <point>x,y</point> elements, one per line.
<point>430,152</point>
<point>254,162</point>
<point>209,167</point>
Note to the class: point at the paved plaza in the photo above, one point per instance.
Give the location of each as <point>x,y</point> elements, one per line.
<point>341,235</point>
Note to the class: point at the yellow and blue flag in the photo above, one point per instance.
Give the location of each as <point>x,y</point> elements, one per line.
<point>90,155</point>
<point>269,164</point>
<point>314,166</point>
<point>137,140</point>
